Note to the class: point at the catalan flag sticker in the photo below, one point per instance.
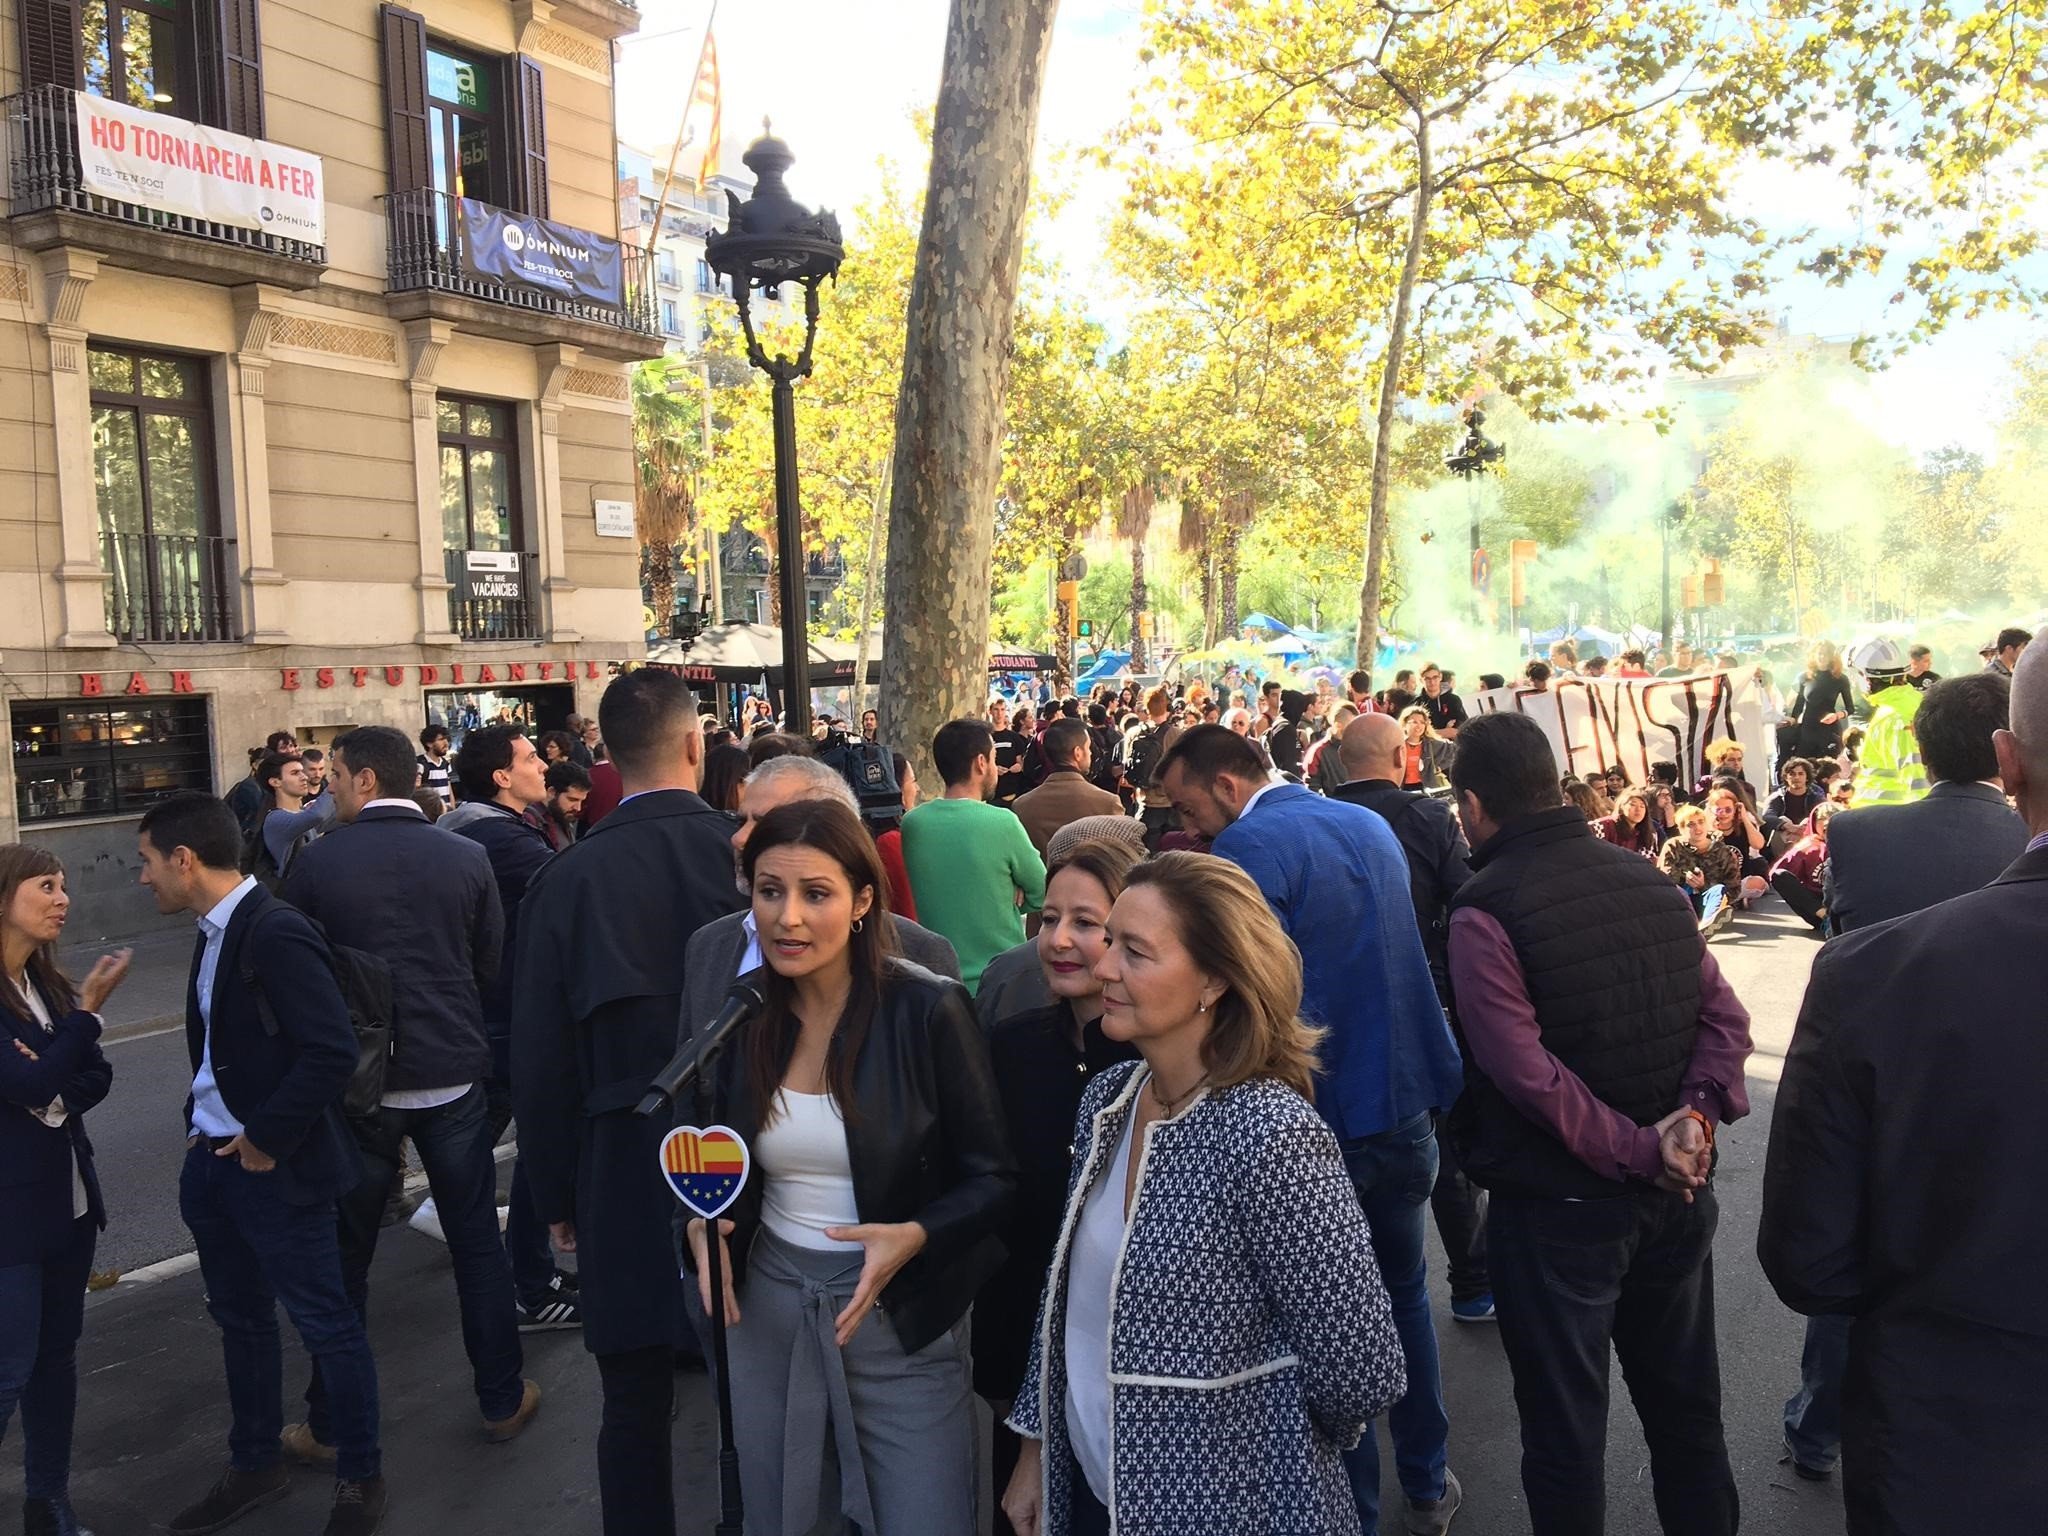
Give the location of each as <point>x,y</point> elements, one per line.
<point>705,1169</point>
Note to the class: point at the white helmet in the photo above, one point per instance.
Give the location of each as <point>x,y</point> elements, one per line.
<point>1879,655</point>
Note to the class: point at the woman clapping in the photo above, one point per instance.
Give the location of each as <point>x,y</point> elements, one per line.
<point>1214,1331</point>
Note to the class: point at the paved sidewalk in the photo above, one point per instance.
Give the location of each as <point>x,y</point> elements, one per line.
<point>152,995</point>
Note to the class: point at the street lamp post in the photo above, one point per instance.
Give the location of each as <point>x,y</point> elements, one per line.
<point>771,239</point>
<point>1474,456</point>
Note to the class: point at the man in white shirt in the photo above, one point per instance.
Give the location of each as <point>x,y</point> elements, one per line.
<point>267,1156</point>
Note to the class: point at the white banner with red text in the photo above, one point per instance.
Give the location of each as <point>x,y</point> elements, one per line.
<point>166,163</point>
<point>1596,723</point>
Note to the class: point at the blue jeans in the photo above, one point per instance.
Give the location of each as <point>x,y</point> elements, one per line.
<point>42,1312</point>
<point>527,1248</point>
<point>1813,1415</point>
<point>454,1144</point>
<point>256,1250</point>
<point>1394,1173</point>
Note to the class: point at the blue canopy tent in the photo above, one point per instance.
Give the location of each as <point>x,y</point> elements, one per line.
<point>1267,622</point>
<point>1104,668</point>
<point>1589,640</point>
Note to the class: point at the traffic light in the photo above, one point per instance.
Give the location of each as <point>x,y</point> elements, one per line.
<point>1085,628</point>
<point>1713,587</point>
<point>1520,553</point>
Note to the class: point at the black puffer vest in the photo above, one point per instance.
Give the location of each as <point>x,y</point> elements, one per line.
<point>1610,953</point>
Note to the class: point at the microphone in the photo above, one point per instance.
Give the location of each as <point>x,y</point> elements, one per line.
<point>742,1003</point>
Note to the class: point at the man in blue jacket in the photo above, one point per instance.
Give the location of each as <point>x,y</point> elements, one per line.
<point>500,773</point>
<point>267,1156</point>
<point>1336,878</point>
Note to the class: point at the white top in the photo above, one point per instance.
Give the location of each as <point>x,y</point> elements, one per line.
<point>54,1113</point>
<point>210,1115</point>
<point>809,1172</point>
<point>1091,1269</point>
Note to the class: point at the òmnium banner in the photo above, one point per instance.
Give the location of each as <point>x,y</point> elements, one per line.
<point>525,252</point>
<point>157,161</point>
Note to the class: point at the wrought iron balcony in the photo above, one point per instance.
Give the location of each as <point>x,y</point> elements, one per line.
<point>45,188</point>
<point>493,618</point>
<point>164,588</point>
<point>425,249</point>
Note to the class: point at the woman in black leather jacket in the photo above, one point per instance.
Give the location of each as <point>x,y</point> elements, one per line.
<point>881,1172</point>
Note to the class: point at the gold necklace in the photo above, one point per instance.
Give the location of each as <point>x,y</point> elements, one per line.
<point>1169,1108</point>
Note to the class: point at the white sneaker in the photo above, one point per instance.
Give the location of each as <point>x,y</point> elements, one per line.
<point>428,1220</point>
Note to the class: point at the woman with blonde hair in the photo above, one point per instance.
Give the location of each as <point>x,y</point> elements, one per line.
<point>1821,707</point>
<point>1214,1285</point>
<point>1426,755</point>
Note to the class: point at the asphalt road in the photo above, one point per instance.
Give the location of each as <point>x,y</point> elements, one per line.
<point>152,1413</point>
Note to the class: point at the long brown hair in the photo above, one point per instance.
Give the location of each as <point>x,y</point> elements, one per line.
<point>1225,924</point>
<point>836,832</point>
<point>20,863</point>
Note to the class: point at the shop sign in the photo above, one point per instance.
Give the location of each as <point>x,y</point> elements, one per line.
<point>163,162</point>
<point>460,674</point>
<point>493,573</point>
<point>539,254</point>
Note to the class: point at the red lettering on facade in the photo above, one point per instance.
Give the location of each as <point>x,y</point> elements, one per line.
<point>394,675</point>
<point>547,670</point>
<point>291,680</point>
<point>89,684</point>
<point>590,669</point>
<point>485,674</point>
<point>360,676</point>
<point>430,675</point>
<point>455,672</point>
<point>324,678</point>
<point>515,671</point>
<point>181,682</point>
<point>137,683</point>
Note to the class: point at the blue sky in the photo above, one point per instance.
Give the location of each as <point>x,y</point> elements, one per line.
<point>842,82</point>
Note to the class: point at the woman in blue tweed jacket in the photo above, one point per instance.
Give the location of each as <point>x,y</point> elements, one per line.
<point>1213,1332</point>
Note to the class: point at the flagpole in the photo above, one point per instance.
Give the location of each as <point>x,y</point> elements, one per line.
<point>676,149</point>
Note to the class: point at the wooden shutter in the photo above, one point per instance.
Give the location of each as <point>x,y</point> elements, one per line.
<point>527,115</point>
<point>50,54</point>
<point>230,66</point>
<point>405,98</point>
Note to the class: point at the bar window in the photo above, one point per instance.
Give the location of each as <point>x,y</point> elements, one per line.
<point>88,757</point>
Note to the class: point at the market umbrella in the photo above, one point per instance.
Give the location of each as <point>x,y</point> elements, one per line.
<point>1267,622</point>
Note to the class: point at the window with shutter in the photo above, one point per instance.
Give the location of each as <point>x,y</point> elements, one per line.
<point>230,65</point>
<point>405,96</point>
<point>50,53</point>
<point>529,134</point>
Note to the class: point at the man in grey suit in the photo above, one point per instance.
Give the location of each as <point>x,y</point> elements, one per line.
<point>722,951</point>
<point>1896,860</point>
<point>1887,860</point>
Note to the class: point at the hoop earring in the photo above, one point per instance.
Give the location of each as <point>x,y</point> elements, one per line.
<point>856,925</point>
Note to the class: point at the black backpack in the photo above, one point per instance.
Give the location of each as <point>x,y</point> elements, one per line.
<point>365,982</point>
<point>1145,753</point>
<point>869,769</point>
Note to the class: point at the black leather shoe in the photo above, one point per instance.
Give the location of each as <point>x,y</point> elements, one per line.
<point>358,1508</point>
<point>235,1495</point>
<point>50,1517</point>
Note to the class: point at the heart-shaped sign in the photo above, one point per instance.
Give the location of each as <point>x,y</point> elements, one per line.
<point>705,1169</point>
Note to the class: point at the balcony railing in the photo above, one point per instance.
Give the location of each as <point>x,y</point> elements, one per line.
<point>493,618</point>
<point>163,588</point>
<point>425,253</point>
<point>43,174</point>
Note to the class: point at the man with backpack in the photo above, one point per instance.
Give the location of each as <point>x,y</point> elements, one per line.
<point>1147,749</point>
<point>293,814</point>
<point>388,882</point>
<point>267,1155</point>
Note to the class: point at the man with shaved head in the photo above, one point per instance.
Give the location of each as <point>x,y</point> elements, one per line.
<point>1904,1189</point>
<point>1372,754</point>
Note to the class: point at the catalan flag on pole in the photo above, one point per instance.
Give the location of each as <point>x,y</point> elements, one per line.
<point>706,94</point>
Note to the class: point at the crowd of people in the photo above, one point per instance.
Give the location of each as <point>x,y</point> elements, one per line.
<point>1111,1082</point>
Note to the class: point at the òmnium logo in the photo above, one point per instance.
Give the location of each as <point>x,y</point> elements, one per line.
<point>515,237</point>
<point>266,213</point>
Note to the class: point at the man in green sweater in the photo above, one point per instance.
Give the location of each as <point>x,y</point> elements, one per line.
<point>972,868</point>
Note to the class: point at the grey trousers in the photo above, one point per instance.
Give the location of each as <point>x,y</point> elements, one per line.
<point>868,1438</point>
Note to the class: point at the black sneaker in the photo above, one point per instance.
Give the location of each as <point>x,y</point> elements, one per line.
<point>558,1307</point>
<point>235,1495</point>
<point>50,1517</point>
<point>358,1508</point>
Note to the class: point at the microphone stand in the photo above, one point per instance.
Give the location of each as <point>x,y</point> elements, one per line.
<point>731,1514</point>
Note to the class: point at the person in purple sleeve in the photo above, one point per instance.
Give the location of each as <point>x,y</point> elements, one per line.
<point>1602,1048</point>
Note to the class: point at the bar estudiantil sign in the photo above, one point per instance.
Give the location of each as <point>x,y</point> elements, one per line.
<point>185,168</point>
